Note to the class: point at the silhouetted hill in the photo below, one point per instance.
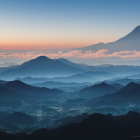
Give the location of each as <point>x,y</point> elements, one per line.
<point>98,90</point>
<point>129,94</point>
<point>130,86</point>
<point>75,119</point>
<point>40,67</point>
<point>23,88</point>
<point>131,118</point>
<point>96,126</point>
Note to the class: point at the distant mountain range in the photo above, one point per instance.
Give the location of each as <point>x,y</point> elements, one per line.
<point>103,88</point>
<point>40,67</point>
<point>118,70</point>
<point>75,88</point>
<point>135,76</point>
<point>122,81</point>
<point>50,68</point>
<point>78,78</point>
<point>129,42</point>
<point>100,75</point>
<point>105,71</point>
<point>52,84</point>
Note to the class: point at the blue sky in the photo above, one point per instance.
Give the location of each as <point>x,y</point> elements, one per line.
<point>65,23</point>
<point>54,24</point>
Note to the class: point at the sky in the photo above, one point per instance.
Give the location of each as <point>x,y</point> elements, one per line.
<point>29,25</point>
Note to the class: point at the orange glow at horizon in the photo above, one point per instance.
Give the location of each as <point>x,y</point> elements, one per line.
<point>38,45</point>
<point>24,41</point>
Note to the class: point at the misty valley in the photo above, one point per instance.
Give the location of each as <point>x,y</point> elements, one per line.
<point>69,70</point>
<point>30,101</point>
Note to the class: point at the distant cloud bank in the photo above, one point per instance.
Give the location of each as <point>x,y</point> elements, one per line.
<point>102,55</point>
<point>99,54</point>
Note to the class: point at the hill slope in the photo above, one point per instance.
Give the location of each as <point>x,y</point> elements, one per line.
<point>23,88</point>
<point>98,90</point>
<point>40,67</point>
<point>129,42</point>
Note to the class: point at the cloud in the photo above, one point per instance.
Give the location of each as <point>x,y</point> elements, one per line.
<point>77,54</point>
<point>99,54</point>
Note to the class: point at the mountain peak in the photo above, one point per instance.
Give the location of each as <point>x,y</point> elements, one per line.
<point>131,85</point>
<point>42,57</point>
<point>103,83</point>
<point>137,28</point>
<point>134,35</point>
<point>15,82</point>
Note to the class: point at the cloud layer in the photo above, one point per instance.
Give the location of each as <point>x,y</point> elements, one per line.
<point>103,54</point>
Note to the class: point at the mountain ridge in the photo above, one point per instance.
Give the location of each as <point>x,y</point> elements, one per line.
<point>129,42</point>
<point>41,67</point>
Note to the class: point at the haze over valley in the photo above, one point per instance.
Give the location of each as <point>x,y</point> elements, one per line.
<point>69,70</point>
<point>53,93</point>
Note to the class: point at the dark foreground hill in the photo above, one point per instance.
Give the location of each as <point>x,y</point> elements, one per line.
<point>95,127</point>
